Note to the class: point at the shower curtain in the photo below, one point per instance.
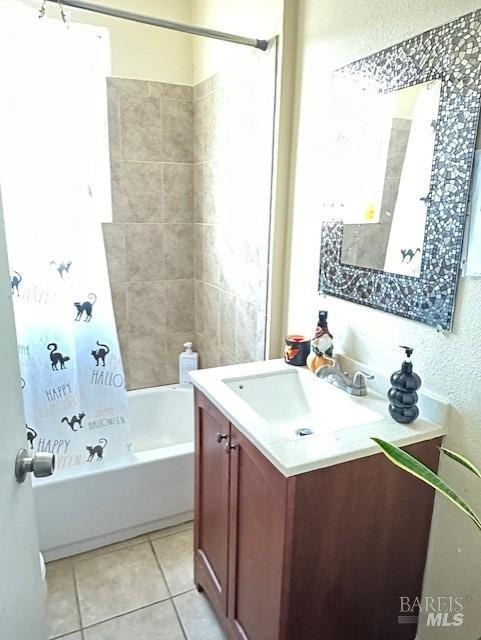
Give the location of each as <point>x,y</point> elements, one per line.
<point>55,190</point>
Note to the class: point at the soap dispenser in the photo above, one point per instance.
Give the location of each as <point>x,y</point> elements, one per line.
<point>188,361</point>
<point>402,395</point>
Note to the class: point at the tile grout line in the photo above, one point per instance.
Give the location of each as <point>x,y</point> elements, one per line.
<point>177,615</point>
<point>171,598</point>
<point>121,615</point>
<point>133,544</point>
<point>77,599</point>
<point>186,163</point>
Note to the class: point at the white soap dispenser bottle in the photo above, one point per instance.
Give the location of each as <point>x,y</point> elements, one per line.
<point>188,361</point>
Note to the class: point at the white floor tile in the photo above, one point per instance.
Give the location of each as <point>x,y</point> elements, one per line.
<point>157,621</point>
<point>62,610</point>
<point>176,556</point>
<point>116,583</point>
<point>197,617</point>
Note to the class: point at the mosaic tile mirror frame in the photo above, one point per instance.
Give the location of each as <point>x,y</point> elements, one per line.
<point>452,54</point>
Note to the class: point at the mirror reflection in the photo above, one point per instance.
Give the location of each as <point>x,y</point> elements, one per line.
<point>379,171</point>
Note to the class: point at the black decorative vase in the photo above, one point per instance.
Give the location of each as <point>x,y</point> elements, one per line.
<point>402,395</point>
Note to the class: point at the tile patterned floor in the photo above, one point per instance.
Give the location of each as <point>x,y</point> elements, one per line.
<point>140,589</point>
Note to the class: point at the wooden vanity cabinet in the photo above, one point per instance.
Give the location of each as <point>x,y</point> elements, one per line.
<point>212,479</point>
<point>324,555</point>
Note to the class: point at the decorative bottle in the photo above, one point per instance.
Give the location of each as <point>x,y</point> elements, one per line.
<point>402,395</point>
<point>322,345</point>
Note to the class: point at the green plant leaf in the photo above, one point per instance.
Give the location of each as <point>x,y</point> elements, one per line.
<point>462,460</point>
<point>417,469</point>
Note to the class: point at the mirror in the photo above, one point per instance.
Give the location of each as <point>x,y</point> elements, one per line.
<point>384,145</point>
<point>395,173</point>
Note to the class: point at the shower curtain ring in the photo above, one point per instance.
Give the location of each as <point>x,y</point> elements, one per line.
<point>41,11</point>
<point>62,12</point>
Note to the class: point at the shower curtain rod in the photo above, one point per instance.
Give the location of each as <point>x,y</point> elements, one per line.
<point>166,24</point>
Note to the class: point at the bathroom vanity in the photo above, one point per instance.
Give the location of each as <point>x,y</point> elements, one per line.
<point>305,537</point>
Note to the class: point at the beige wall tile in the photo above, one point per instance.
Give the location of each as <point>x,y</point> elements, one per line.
<point>172,91</point>
<point>119,301</point>
<point>157,621</point>
<point>225,359</point>
<point>206,127</point>
<point>178,251</point>
<point>209,353</point>
<point>113,106</point>
<point>178,192</point>
<point>118,582</point>
<point>227,307</point>
<point>198,251</point>
<point>205,199</point>
<point>115,250</point>
<point>234,198</point>
<point>137,192</point>
<point>212,268</point>
<point>179,305</point>
<point>177,137</point>
<point>227,327</point>
<point>117,89</point>
<point>205,87</point>
<point>198,177</point>
<point>128,88</point>
<point>248,328</point>
<point>141,129</point>
<point>146,309</point>
<point>141,186</point>
<point>147,362</point>
<point>207,312</point>
<point>214,255</point>
<point>145,252</point>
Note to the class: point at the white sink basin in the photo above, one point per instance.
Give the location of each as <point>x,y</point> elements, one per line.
<point>294,400</point>
<point>269,400</point>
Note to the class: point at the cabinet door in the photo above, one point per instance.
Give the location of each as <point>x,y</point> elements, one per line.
<point>211,502</point>
<point>258,498</point>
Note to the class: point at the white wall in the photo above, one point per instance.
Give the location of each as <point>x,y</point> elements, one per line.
<point>141,51</point>
<point>249,18</point>
<point>333,33</point>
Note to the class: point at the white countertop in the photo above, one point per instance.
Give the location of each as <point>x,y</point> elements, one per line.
<point>292,456</point>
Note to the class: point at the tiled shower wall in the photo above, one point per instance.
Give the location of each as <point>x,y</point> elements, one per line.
<point>188,247</point>
<point>149,244</point>
<point>231,224</point>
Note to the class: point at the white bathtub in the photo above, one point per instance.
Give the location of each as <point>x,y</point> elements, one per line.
<point>151,489</point>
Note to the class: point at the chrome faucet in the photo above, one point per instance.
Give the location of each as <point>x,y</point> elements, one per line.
<point>356,386</point>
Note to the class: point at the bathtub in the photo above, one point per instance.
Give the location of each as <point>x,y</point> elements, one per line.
<point>150,489</point>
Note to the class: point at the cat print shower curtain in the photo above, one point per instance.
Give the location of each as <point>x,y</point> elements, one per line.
<point>54,180</point>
